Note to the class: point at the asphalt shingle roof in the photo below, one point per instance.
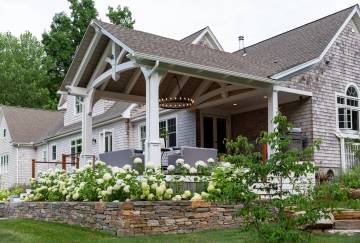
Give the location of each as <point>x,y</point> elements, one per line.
<point>27,125</point>
<point>295,46</point>
<point>263,59</point>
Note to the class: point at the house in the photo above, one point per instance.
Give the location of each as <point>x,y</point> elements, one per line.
<point>110,95</point>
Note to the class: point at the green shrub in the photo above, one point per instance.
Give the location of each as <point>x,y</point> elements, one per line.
<point>351,179</point>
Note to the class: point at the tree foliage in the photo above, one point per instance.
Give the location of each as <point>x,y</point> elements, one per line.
<point>23,73</point>
<point>121,16</point>
<point>66,33</point>
<point>288,209</point>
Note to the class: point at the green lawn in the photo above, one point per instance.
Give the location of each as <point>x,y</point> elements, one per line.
<point>35,231</point>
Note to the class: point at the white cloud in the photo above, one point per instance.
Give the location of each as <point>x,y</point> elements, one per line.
<point>255,19</point>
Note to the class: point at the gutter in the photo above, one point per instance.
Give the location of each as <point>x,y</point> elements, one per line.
<point>17,164</point>
<point>79,130</point>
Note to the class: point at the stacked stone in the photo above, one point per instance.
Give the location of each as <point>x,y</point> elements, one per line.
<point>130,218</point>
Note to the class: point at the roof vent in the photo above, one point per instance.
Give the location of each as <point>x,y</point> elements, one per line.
<point>242,45</point>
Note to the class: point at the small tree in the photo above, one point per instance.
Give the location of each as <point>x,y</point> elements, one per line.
<point>289,208</point>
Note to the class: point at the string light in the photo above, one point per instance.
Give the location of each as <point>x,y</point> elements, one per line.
<point>177,102</point>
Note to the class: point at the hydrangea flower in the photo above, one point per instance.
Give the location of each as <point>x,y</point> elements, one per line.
<point>150,165</point>
<point>196,197</point>
<point>177,198</point>
<point>107,176</point>
<point>127,167</point>
<point>193,170</point>
<point>211,161</point>
<point>171,168</point>
<point>137,160</point>
<point>179,162</point>
<point>186,194</point>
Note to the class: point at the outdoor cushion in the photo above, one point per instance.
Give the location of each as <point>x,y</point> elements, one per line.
<point>120,158</point>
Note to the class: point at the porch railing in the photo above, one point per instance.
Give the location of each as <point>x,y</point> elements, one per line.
<point>66,159</point>
<point>350,154</point>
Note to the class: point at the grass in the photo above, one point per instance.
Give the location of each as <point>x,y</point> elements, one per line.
<point>26,231</point>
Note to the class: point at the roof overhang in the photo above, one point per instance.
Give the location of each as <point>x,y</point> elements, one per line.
<point>200,71</point>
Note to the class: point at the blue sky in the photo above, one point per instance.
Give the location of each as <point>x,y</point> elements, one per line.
<point>255,19</point>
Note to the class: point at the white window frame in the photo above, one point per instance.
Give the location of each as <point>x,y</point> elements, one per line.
<point>52,152</point>
<point>347,130</point>
<point>164,119</point>
<point>4,163</point>
<point>76,145</point>
<point>102,136</point>
<point>78,105</point>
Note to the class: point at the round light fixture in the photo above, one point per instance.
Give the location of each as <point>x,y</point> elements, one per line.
<point>177,102</point>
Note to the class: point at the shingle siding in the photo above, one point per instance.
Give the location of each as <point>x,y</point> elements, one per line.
<point>71,117</point>
<point>339,67</point>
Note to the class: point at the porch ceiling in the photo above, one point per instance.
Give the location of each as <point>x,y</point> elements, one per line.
<point>254,102</point>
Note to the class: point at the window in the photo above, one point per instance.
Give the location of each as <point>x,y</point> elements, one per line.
<point>4,164</point>
<point>76,146</point>
<point>165,126</point>
<point>171,129</point>
<point>142,136</point>
<point>4,132</point>
<point>53,152</point>
<point>108,142</point>
<point>44,155</point>
<point>348,109</point>
<point>79,104</point>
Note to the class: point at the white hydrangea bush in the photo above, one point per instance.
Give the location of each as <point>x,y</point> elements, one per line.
<point>100,182</point>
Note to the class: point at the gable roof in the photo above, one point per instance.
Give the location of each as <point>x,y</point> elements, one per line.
<point>263,60</point>
<point>191,38</point>
<point>28,125</point>
<point>296,46</point>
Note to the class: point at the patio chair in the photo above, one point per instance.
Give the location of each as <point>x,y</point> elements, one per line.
<point>192,154</point>
<point>120,158</point>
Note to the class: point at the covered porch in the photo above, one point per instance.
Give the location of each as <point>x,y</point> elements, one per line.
<point>107,68</point>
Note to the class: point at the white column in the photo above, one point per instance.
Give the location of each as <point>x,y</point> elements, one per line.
<point>152,141</point>
<point>342,154</point>
<point>86,129</point>
<point>273,107</point>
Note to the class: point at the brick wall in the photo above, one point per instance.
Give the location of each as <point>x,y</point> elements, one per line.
<point>130,218</point>
<point>250,124</point>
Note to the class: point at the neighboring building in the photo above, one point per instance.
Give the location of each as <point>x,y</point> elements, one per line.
<point>311,74</point>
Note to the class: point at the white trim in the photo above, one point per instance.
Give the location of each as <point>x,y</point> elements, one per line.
<point>352,84</point>
<point>293,91</point>
<point>165,119</point>
<point>102,140</point>
<point>113,38</point>
<point>211,34</point>
<point>141,116</point>
<point>318,59</point>
<point>100,94</point>
<point>119,68</point>
<point>89,52</point>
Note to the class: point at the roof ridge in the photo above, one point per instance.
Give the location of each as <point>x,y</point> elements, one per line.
<point>285,32</point>
<point>28,108</point>
<point>201,30</point>
<point>168,38</point>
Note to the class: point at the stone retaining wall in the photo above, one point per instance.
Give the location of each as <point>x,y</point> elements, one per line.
<point>130,218</point>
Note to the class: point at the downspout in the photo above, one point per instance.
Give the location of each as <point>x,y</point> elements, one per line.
<point>17,164</point>
<point>342,152</point>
